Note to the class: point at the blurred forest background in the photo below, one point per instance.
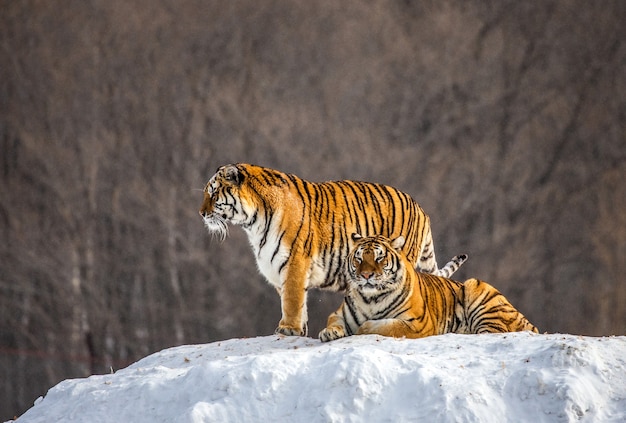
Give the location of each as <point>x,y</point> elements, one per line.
<point>505,120</point>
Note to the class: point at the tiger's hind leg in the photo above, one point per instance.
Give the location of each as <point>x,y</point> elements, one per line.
<point>451,266</point>
<point>490,311</point>
<point>428,263</point>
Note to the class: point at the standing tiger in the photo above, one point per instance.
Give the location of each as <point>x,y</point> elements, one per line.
<point>299,230</point>
<point>386,296</point>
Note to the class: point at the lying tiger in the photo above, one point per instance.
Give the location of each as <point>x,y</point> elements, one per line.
<point>386,296</point>
<point>300,230</point>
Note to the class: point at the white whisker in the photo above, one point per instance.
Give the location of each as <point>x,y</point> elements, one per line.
<point>217,226</point>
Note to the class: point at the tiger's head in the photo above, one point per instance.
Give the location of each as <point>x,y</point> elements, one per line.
<point>224,202</point>
<point>375,265</point>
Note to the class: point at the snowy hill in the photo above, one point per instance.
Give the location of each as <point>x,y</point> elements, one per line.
<point>520,377</point>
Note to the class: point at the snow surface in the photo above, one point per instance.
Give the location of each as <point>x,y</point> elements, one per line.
<point>514,377</point>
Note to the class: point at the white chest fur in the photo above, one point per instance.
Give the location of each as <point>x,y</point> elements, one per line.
<point>268,253</point>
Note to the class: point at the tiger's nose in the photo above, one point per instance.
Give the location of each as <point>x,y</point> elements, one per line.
<point>366,274</point>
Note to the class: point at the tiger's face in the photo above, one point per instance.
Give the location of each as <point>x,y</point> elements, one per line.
<point>374,265</point>
<point>223,201</point>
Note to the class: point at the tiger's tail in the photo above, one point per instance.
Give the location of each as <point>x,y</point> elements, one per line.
<point>451,266</point>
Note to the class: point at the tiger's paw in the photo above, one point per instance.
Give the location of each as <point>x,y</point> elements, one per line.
<point>368,327</point>
<point>289,331</point>
<point>331,333</point>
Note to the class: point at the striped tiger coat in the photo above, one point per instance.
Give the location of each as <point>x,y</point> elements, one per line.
<point>299,230</point>
<point>386,296</point>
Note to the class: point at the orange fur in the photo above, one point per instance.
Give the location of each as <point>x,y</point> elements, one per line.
<point>386,296</point>
<point>299,230</point>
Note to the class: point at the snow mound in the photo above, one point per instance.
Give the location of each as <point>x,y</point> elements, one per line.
<point>450,378</point>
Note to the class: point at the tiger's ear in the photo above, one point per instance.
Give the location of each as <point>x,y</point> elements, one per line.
<point>232,175</point>
<point>356,237</point>
<point>398,243</point>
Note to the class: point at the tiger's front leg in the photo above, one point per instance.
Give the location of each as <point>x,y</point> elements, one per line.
<point>335,327</point>
<point>396,328</point>
<point>293,302</point>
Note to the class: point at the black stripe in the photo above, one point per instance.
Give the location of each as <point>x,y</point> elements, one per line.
<point>268,224</point>
<point>295,180</point>
<point>263,177</point>
<point>330,265</point>
<point>326,200</point>
<point>374,202</point>
<point>379,201</point>
<point>280,239</point>
<point>349,304</point>
<point>312,197</point>
<point>283,264</point>
<point>402,295</point>
<point>391,209</point>
<point>352,205</point>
